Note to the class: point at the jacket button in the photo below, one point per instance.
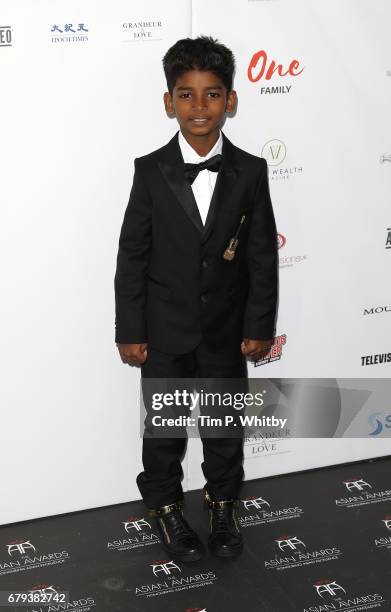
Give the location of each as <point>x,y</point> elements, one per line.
<point>204,263</point>
<point>204,298</point>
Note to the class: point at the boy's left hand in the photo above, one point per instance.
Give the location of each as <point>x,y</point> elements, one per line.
<point>256,349</point>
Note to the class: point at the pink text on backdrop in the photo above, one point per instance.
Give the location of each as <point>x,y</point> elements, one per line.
<point>258,67</point>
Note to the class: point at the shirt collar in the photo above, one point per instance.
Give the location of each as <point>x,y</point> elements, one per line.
<point>190,155</point>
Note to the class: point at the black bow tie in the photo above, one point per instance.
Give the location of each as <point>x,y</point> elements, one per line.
<point>192,170</point>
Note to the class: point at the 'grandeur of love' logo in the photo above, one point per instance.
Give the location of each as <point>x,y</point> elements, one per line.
<point>260,67</point>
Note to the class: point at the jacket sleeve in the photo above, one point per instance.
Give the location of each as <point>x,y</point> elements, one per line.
<point>262,259</point>
<point>132,263</point>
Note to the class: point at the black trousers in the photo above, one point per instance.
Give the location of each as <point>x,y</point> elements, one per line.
<point>160,482</point>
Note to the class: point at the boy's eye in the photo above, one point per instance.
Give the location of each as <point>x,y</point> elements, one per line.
<point>187,94</point>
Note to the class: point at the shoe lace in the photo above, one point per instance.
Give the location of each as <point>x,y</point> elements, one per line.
<point>177,523</point>
<point>221,519</point>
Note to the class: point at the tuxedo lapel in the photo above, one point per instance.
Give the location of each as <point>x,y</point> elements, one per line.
<point>172,168</point>
<point>225,181</point>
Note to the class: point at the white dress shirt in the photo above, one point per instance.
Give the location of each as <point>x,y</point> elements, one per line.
<point>204,184</point>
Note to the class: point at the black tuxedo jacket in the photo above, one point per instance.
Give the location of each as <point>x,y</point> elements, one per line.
<point>172,285</point>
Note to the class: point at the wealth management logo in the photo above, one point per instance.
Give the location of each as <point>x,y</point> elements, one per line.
<point>173,578</point>
<point>259,511</point>
<point>297,554</point>
<point>69,33</point>
<point>362,494</point>
<point>5,36</point>
<point>275,352</point>
<point>142,30</point>
<point>383,541</point>
<point>274,77</point>
<point>379,422</point>
<point>140,534</point>
<point>22,554</point>
<point>275,153</point>
<point>388,238</point>
<point>333,595</point>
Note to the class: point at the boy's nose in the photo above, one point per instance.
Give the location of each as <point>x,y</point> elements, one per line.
<point>200,103</point>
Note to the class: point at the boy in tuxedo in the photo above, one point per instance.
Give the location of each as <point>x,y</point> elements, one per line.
<point>196,282</point>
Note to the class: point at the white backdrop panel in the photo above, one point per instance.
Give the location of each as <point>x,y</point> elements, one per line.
<point>73,116</point>
<point>327,129</point>
<point>330,191</point>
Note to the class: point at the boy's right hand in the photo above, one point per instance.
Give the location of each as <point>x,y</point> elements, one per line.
<point>133,354</point>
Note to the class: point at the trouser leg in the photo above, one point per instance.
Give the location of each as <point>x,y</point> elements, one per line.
<point>223,457</point>
<point>160,481</point>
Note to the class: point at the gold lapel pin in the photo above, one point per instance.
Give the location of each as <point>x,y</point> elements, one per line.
<point>229,252</point>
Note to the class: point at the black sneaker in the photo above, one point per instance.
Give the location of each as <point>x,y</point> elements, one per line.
<point>177,537</point>
<point>225,538</point>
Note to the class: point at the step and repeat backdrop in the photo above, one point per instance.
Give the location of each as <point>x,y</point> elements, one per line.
<point>81,96</point>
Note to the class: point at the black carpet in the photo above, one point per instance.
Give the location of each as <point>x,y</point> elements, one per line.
<point>315,541</point>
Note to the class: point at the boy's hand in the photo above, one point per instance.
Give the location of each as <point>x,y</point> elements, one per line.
<point>256,349</point>
<point>133,354</point>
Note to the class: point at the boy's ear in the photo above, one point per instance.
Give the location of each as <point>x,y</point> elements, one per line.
<point>167,98</point>
<point>232,100</point>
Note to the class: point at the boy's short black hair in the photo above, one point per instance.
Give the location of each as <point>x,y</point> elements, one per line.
<point>202,53</point>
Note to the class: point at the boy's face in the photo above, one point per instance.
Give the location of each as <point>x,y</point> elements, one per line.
<point>199,101</point>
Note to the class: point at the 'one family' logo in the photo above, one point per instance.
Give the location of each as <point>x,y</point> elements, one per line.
<point>261,67</point>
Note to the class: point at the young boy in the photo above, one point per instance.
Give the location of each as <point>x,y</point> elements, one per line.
<point>196,282</point>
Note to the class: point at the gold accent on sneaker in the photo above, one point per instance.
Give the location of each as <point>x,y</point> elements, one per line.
<point>164,529</point>
<point>235,520</point>
<point>155,512</point>
<point>221,503</point>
